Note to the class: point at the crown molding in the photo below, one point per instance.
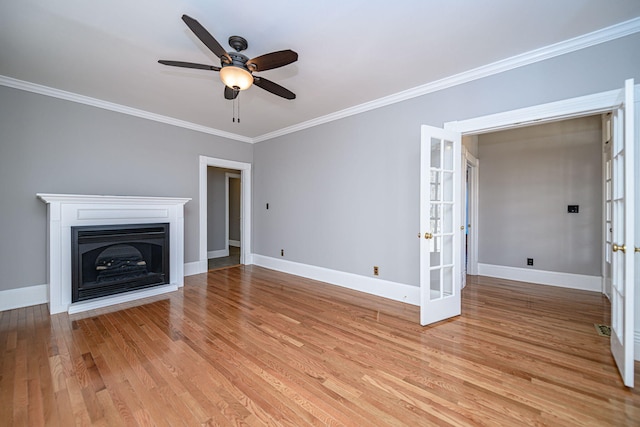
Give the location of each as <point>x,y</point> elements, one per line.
<point>105,105</point>
<point>577,43</point>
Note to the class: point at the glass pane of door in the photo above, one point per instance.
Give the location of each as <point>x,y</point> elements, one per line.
<point>442,187</point>
<point>439,223</point>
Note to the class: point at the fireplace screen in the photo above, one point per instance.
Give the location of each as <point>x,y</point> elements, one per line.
<point>110,259</point>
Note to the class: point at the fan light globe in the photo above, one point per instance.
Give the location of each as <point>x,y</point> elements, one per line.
<point>236,77</point>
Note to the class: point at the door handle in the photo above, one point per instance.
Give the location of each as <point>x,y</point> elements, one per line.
<point>428,236</point>
<point>636,250</point>
<point>617,248</point>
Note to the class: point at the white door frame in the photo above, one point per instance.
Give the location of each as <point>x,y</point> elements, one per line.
<point>560,110</point>
<point>472,187</point>
<point>227,220</point>
<point>245,207</point>
<point>554,111</point>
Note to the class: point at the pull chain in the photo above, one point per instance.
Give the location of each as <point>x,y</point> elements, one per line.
<point>236,93</point>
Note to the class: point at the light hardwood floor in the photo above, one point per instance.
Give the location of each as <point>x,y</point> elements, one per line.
<point>250,346</point>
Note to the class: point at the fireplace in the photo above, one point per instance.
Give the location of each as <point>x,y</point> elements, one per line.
<point>111,259</point>
<point>92,213</point>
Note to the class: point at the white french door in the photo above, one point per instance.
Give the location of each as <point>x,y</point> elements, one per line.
<point>622,277</point>
<point>440,278</point>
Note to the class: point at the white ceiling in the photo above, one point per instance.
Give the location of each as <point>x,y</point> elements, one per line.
<point>350,51</point>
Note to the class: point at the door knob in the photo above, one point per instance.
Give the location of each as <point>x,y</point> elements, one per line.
<point>636,250</point>
<point>428,236</point>
<point>617,248</point>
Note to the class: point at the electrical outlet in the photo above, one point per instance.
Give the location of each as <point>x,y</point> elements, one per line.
<point>281,252</point>
<point>529,261</point>
<point>375,270</point>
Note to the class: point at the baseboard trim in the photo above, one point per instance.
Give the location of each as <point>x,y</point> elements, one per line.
<point>382,288</point>
<point>234,243</point>
<point>24,297</point>
<point>196,267</point>
<point>220,253</point>
<point>551,278</point>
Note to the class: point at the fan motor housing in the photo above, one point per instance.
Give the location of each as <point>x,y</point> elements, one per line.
<point>237,60</point>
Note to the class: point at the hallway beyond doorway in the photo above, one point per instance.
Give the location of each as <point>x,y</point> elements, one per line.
<point>232,259</point>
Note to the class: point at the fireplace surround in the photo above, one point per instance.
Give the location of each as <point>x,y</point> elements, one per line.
<point>65,211</point>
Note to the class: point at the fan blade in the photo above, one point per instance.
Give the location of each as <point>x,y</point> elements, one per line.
<point>206,38</point>
<point>272,60</point>
<point>274,88</point>
<point>230,93</point>
<point>189,65</point>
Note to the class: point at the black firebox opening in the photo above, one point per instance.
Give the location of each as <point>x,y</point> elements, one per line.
<point>111,259</point>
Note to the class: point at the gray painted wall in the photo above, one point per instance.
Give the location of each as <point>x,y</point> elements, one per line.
<point>49,145</point>
<point>344,195</point>
<point>528,176</point>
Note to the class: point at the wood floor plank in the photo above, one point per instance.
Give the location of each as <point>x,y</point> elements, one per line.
<point>249,346</point>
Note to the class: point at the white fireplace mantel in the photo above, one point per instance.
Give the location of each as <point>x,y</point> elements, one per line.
<point>69,210</point>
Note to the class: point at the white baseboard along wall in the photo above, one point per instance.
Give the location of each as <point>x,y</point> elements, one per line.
<point>38,294</point>
<point>550,278</point>
<point>382,288</point>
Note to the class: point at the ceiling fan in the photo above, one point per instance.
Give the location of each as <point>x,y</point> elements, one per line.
<point>236,70</point>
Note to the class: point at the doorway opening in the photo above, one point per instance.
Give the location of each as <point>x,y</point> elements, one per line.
<point>532,180</point>
<point>589,105</point>
<point>241,173</point>
<point>224,222</point>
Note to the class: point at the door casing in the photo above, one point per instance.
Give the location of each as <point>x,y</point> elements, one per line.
<point>245,207</point>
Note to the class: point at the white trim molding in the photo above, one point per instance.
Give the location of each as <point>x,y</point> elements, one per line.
<point>542,277</point>
<point>382,288</point>
<point>554,111</point>
<point>227,177</point>
<point>636,346</point>
<point>196,267</point>
<point>220,253</point>
<point>577,43</point>
<point>118,108</point>
<point>24,297</point>
<point>245,207</point>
